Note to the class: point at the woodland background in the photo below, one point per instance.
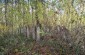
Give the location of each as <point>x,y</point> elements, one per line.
<point>42,27</point>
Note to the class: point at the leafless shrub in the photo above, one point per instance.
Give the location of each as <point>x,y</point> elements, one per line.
<point>78,36</point>
<point>60,34</point>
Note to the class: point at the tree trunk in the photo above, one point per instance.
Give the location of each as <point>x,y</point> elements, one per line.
<point>28,32</point>
<point>38,33</point>
<point>38,25</point>
<point>33,33</point>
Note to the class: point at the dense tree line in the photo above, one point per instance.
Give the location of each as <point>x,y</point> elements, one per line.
<point>38,14</point>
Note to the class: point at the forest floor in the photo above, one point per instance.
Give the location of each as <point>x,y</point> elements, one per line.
<point>48,46</point>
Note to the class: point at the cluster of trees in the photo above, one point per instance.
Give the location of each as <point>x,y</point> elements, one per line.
<point>33,17</point>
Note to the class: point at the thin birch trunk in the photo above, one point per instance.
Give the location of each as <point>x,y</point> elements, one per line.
<point>28,32</point>
<point>38,33</point>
